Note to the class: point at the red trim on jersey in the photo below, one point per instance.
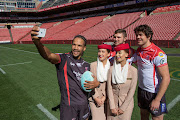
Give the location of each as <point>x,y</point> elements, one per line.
<point>148,47</point>
<point>154,73</point>
<point>112,53</point>
<point>162,65</point>
<point>67,83</point>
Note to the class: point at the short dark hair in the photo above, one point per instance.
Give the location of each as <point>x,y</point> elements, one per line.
<point>82,37</point>
<point>121,31</point>
<point>145,29</point>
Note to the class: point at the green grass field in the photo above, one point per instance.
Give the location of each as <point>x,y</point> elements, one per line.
<point>27,80</point>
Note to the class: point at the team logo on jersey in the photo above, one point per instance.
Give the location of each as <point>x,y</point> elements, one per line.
<point>86,68</point>
<point>72,64</point>
<point>161,54</point>
<point>78,75</point>
<point>147,57</point>
<point>79,64</point>
<point>162,61</point>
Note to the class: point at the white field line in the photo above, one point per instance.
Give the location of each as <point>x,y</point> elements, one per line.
<point>175,79</point>
<point>16,64</point>
<point>2,71</point>
<point>46,112</point>
<point>173,103</point>
<point>19,50</point>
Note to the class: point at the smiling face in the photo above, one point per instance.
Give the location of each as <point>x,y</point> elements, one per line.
<point>78,47</point>
<point>103,54</point>
<point>142,39</point>
<point>119,39</point>
<point>121,56</point>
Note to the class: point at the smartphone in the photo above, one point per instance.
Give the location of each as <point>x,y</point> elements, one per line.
<point>42,32</point>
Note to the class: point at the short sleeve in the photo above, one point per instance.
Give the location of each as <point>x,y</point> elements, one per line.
<point>160,59</point>
<point>59,55</point>
<point>133,59</point>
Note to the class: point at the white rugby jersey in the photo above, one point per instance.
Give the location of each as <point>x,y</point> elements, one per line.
<point>148,59</point>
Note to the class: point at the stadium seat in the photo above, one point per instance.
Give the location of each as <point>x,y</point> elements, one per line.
<point>106,29</point>
<point>78,28</point>
<point>165,26</point>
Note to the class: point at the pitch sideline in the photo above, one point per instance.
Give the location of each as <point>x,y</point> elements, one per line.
<point>175,79</point>
<point>46,112</point>
<point>172,103</point>
<point>16,64</point>
<point>19,50</point>
<point>3,72</point>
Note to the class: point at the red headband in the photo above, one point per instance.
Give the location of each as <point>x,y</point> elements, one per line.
<point>104,46</point>
<point>121,47</point>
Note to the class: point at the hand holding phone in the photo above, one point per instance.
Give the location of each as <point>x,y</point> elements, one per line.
<point>42,32</point>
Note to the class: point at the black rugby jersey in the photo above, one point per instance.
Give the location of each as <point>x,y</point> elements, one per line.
<point>69,71</point>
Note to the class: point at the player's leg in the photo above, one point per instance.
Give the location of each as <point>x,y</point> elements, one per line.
<point>158,117</point>
<point>144,114</point>
<point>144,100</point>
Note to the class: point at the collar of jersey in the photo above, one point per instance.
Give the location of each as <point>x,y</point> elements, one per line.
<point>147,48</point>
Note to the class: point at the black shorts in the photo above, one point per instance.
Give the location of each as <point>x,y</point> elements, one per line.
<point>145,98</point>
<point>74,112</point>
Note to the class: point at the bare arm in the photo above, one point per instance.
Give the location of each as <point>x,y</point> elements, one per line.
<point>164,73</point>
<point>44,51</point>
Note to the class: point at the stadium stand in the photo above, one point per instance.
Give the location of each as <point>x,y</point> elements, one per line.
<point>106,29</point>
<point>47,4</point>
<point>4,35</point>
<point>121,11</point>
<point>17,30</point>
<point>12,5</point>
<point>51,30</point>
<point>148,8</point>
<point>23,25</point>
<point>18,33</point>
<point>167,9</point>
<point>78,28</point>
<point>54,30</point>
<point>4,32</point>
<point>94,23</point>
<point>48,25</point>
<point>165,26</point>
<point>178,38</point>
<point>60,2</point>
<point>74,0</point>
<point>174,3</point>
